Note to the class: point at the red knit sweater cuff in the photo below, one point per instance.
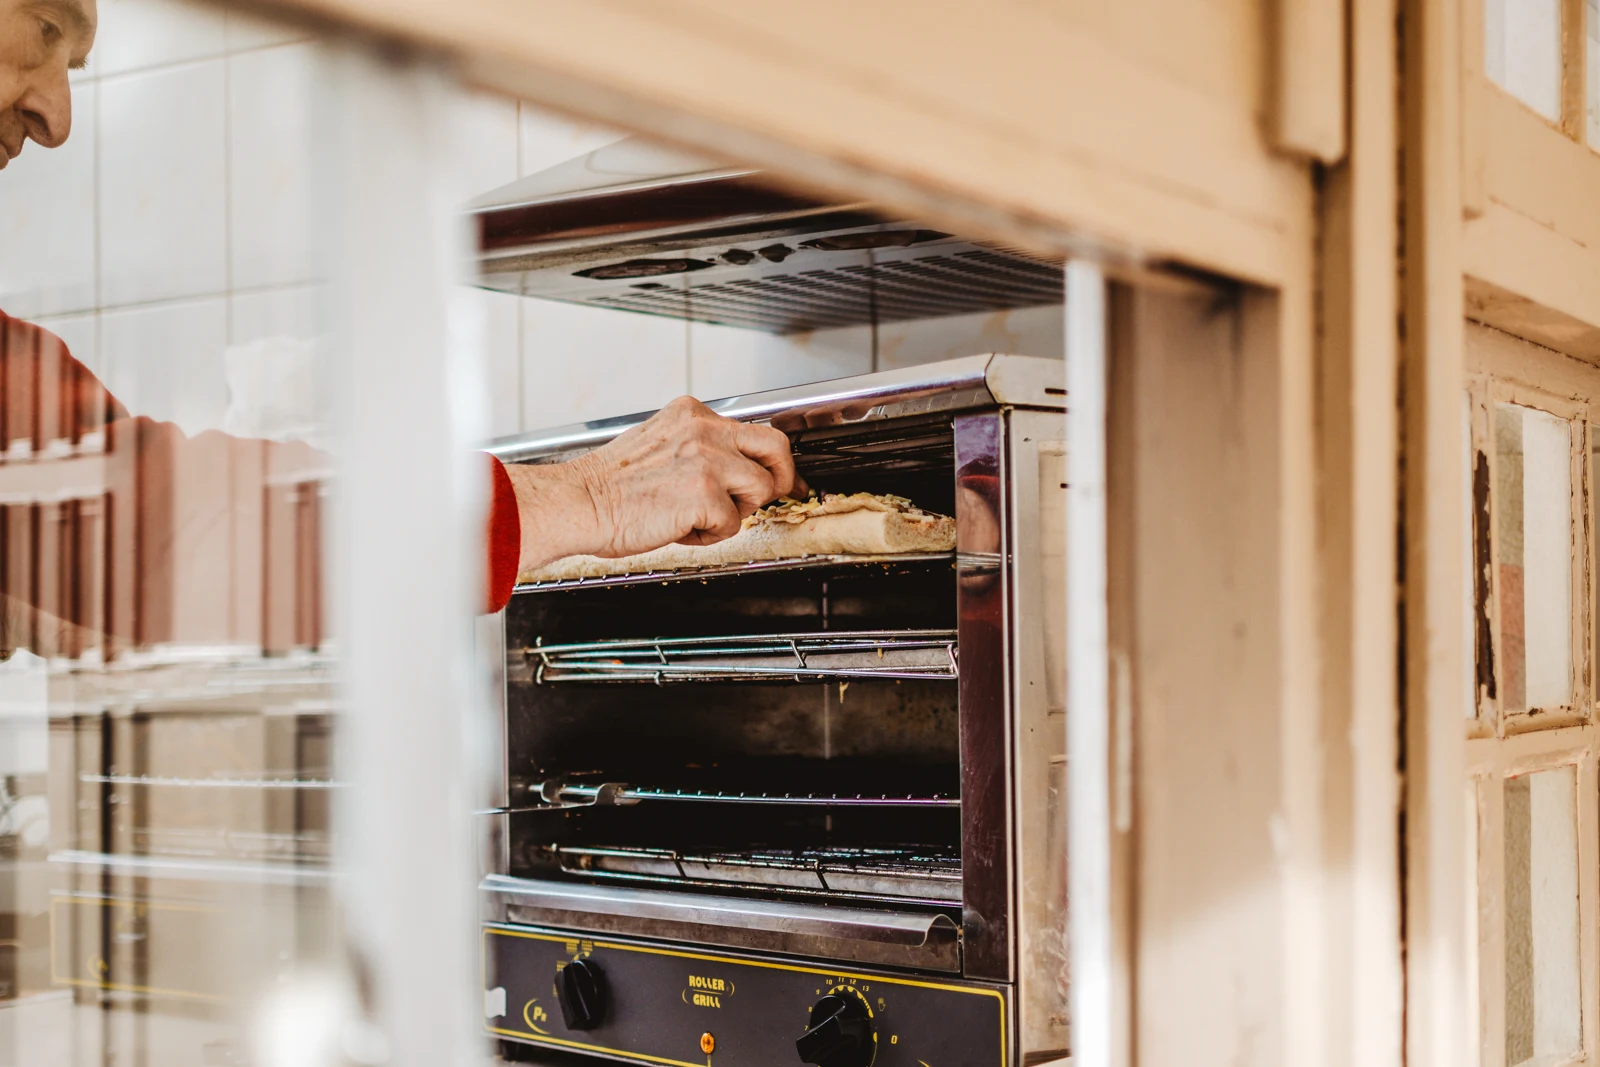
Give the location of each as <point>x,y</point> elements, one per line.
<point>505,536</point>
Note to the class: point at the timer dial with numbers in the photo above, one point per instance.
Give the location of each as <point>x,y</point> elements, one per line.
<point>839,1032</point>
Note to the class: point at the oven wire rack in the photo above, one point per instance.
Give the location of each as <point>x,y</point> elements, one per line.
<point>892,654</point>
<point>556,794</point>
<point>686,574</point>
<point>882,875</point>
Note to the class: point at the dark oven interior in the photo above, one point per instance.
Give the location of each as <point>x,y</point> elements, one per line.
<point>790,733</point>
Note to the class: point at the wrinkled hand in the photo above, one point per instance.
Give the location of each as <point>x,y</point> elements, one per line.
<point>686,475</point>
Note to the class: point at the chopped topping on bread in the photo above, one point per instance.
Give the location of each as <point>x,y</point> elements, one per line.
<point>790,510</point>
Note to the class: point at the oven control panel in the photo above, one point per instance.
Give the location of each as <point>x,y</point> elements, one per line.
<point>683,1007</point>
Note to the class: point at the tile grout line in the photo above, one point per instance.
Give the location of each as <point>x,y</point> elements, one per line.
<point>192,61</point>
<point>175,301</point>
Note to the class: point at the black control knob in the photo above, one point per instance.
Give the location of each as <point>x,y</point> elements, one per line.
<point>840,1035</point>
<point>581,991</point>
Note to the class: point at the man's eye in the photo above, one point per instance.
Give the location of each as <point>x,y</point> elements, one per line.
<point>49,31</point>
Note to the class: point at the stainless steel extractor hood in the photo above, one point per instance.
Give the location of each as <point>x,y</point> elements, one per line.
<point>636,228</point>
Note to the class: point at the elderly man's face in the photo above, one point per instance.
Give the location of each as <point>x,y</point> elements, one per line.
<point>40,40</point>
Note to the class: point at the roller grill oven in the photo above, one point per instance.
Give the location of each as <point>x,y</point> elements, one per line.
<point>811,809</point>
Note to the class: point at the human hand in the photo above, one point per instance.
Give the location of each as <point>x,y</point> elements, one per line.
<point>686,475</point>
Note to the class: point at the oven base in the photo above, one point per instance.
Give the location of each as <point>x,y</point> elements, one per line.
<point>662,1001</point>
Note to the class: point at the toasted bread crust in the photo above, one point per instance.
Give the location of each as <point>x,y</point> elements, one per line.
<point>859,524</point>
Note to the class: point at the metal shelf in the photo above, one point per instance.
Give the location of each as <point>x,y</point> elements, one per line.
<point>734,569</point>
<point>884,875</point>
<point>893,654</point>
<point>555,795</point>
<point>211,783</point>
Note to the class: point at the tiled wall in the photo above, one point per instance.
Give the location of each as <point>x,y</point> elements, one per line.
<point>175,224</point>
<point>151,239</point>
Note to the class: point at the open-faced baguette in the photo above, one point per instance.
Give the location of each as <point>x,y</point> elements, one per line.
<point>857,524</point>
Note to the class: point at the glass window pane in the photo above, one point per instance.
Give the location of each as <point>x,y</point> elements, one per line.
<point>1592,71</point>
<point>167,674</point>
<point>1543,1015</point>
<point>1594,532</point>
<point>1533,485</point>
<point>1522,51</point>
<point>1473,890</point>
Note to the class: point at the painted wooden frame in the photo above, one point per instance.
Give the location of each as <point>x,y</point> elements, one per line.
<point>1489,394</point>
<point>1491,762</point>
<point>1505,369</point>
<point>1531,241</point>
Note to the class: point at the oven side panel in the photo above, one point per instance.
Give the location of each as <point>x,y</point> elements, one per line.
<point>1036,492</point>
<point>985,720</point>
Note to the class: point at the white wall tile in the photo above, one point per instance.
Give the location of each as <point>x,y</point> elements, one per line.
<point>287,312</point>
<point>137,34</point>
<point>500,317</point>
<point>271,108</point>
<point>162,202</point>
<point>549,138</point>
<point>729,361</point>
<point>275,365</point>
<point>244,30</point>
<point>486,133</point>
<point>581,363</point>
<point>47,220</point>
<point>1035,331</point>
<point>166,361</point>
<point>80,333</point>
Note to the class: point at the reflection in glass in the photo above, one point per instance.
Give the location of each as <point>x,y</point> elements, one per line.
<point>1522,51</point>
<point>1591,66</point>
<point>167,691</point>
<point>1533,490</point>
<point>1474,826</point>
<point>1543,1015</point>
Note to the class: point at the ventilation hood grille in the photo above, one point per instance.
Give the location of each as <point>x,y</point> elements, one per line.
<point>633,229</point>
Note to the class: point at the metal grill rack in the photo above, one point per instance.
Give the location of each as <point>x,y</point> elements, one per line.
<point>211,783</point>
<point>889,875</point>
<point>894,654</point>
<point>732,569</point>
<point>556,794</point>
<point>233,843</point>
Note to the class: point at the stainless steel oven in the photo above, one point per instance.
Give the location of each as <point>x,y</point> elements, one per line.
<point>811,810</point>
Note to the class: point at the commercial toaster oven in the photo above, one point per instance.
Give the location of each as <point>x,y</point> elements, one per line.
<point>808,810</point>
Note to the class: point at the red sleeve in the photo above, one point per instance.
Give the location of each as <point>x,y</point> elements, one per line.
<point>505,537</point>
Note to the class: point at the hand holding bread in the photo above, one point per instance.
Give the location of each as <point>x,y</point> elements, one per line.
<point>685,476</point>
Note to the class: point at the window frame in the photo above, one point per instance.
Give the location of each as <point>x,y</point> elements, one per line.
<point>1572,118</point>
<point>1501,368</point>
<point>1502,376</point>
<point>1491,762</point>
